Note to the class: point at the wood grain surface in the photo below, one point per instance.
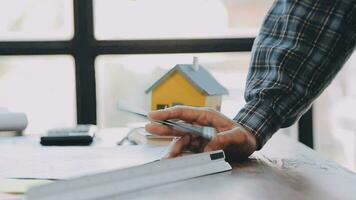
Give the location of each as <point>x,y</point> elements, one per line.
<point>283,169</point>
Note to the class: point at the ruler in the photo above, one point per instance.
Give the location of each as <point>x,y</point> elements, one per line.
<point>118,182</point>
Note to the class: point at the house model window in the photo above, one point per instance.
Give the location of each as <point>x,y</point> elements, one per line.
<point>161,106</point>
<point>186,84</point>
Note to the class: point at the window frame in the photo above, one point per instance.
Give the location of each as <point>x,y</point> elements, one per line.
<point>85,48</point>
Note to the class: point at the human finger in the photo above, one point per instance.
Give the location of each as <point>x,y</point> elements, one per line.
<point>201,116</point>
<point>220,141</point>
<point>186,113</point>
<point>178,147</point>
<point>237,143</point>
<point>159,129</point>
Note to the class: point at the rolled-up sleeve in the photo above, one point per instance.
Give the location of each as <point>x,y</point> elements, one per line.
<point>301,46</point>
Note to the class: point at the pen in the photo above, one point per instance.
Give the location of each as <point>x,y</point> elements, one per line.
<point>203,131</point>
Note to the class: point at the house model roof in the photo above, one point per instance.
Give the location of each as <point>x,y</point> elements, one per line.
<point>199,77</point>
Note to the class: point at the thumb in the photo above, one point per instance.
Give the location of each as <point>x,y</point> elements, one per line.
<point>236,136</point>
<point>237,143</point>
<point>221,141</point>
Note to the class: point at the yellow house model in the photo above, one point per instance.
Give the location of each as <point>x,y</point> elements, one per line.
<point>186,84</point>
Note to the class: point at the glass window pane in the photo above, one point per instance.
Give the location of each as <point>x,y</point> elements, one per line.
<point>159,19</point>
<point>41,86</point>
<point>335,117</point>
<point>36,19</point>
<point>126,77</point>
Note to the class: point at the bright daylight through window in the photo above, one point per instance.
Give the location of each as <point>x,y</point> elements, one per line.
<point>45,84</point>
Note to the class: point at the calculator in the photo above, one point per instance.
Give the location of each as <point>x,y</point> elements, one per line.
<point>79,135</point>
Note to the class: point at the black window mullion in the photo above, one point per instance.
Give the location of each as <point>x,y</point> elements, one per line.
<point>36,47</point>
<point>173,46</point>
<point>305,129</point>
<point>84,60</point>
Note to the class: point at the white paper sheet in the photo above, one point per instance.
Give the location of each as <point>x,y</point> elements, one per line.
<point>68,162</point>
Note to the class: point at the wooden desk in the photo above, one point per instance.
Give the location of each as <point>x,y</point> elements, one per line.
<point>283,169</point>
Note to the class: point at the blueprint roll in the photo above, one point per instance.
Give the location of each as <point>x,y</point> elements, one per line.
<point>12,121</point>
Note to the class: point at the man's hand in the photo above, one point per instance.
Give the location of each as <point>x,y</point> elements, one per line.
<point>236,141</point>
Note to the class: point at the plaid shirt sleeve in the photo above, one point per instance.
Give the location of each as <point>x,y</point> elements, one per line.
<point>301,46</point>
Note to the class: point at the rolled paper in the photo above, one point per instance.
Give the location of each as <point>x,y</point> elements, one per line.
<point>13,121</point>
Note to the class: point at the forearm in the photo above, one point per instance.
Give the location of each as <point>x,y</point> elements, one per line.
<point>301,46</point>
